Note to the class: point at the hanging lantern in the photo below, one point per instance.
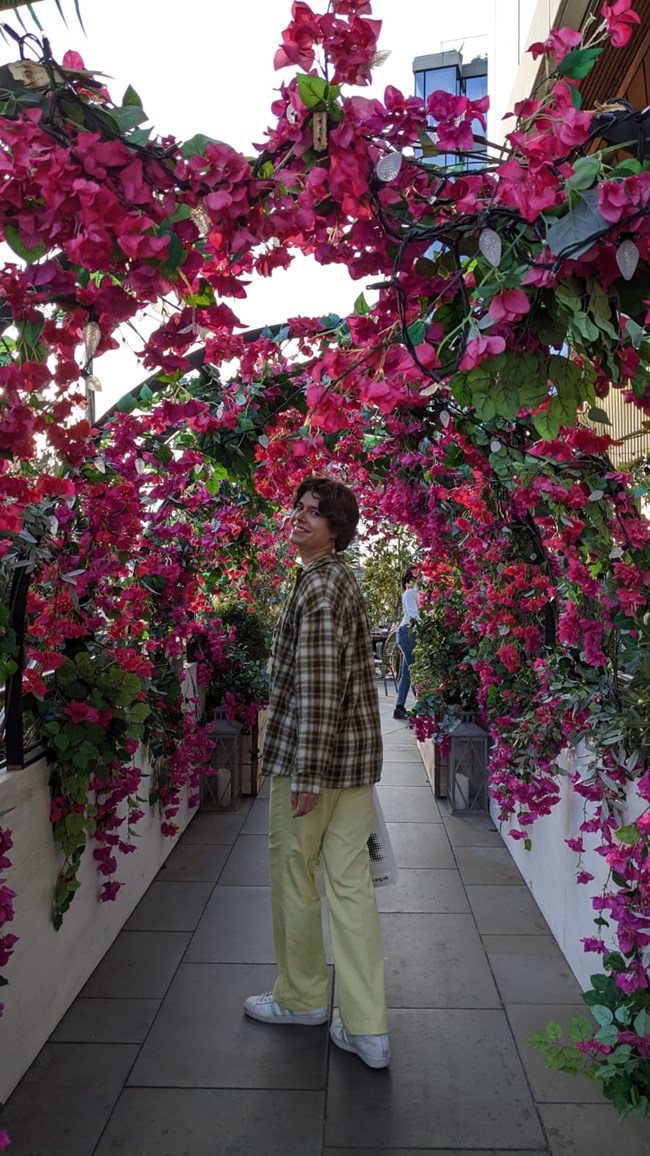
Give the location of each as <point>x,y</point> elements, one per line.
<point>489,243</point>
<point>627,259</point>
<point>468,767</point>
<point>388,166</point>
<point>221,789</point>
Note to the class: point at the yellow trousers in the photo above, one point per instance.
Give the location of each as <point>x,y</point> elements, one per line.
<point>337,829</point>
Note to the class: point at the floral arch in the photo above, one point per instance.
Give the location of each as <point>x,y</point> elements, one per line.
<point>462,403</point>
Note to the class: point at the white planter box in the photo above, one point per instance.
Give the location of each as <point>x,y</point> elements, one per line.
<point>549,868</point>
<point>49,968</point>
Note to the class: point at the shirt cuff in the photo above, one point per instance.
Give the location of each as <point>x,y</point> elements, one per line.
<point>306,783</point>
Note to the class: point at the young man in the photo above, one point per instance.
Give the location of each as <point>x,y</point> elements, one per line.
<point>323,748</point>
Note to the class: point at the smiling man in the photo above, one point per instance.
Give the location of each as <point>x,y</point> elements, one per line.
<point>323,748</point>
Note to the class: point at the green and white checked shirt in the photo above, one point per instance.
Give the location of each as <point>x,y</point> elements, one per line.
<point>323,725</point>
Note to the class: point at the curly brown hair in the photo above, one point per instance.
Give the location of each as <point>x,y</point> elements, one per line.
<point>336,502</point>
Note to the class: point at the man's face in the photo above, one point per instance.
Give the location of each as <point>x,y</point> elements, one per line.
<point>310,530</point>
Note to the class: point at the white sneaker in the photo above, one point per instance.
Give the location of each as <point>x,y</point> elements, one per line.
<point>265,1008</point>
<point>373,1050</point>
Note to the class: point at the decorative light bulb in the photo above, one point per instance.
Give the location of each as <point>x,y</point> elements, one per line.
<point>627,259</point>
<point>489,243</point>
<point>495,446</point>
<point>92,338</point>
<point>388,166</point>
<point>445,417</point>
<point>93,384</point>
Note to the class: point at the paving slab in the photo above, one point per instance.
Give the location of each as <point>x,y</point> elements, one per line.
<point>248,864</point>
<point>206,1122</point>
<point>62,1104</point>
<point>455,1081</point>
<point>530,969</point>
<point>433,889</point>
<point>194,863</point>
<point>107,1021</point>
<point>404,774</point>
<point>257,820</point>
<point>436,961</point>
<point>235,927</point>
<point>550,1086</point>
<point>485,866</point>
<point>202,1039</point>
<point>471,830</point>
<point>436,1152</point>
<point>215,827</point>
<point>139,965</point>
<point>420,845</point>
<point>506,910</point>
<point>594,1130</point>
<point>170,906</point>
<point>408,804</point>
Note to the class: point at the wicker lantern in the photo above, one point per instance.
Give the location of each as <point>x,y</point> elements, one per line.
<point>468,767</point>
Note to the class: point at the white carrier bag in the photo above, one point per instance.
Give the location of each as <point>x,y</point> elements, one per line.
<point>383,865</point>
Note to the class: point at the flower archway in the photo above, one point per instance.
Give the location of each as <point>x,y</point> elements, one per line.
<point>511,298</point>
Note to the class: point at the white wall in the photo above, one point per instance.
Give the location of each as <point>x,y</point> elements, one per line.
<point>549,870</point>
<point>48,968</point>
<point>508,38</point>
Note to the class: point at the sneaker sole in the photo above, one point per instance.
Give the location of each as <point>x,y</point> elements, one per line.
<point>383,1063</point>
<point>298,1019</point>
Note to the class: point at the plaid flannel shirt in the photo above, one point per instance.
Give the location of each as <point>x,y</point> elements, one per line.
<point>323,725</point>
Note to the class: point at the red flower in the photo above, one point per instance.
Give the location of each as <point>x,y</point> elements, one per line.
<point>509,305</point>
<point>619,18</point>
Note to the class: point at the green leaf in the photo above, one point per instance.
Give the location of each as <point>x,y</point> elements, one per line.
<point>642,1023</point>
<point>538,1041</point>
<point>175,254</point>
<point>131,97</point>
<point>602,1015</point>
<point>598,415</point>
<point>127,403</point>
<point>585,172</point>
<point>579,63</point>
<point>580,1030</point>
<point>576,96</point>
<point>566,377</point>
<point>146,395</point>
<point>628,834</point>
<point>553,1030</point>
<point>12,237</point>
<point>197,144</point>
<point>312,90</point>
<point>361,306</point>
<point>417,332</point>
<point>129,116</point>
<point>607,1035</point>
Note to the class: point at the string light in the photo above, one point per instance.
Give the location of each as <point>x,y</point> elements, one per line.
<point>627,259</point>
<point>92,338</point>
<point>489,243</point>
<point>388,166</point>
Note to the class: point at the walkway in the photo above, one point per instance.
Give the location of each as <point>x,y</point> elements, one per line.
<point>156,1058</point>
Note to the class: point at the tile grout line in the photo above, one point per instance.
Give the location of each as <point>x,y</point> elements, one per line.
<point>162,999</point>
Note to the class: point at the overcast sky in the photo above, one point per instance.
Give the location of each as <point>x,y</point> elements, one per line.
<point>207,66</point>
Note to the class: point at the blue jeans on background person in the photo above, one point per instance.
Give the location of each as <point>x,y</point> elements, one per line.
<point>406,643</point>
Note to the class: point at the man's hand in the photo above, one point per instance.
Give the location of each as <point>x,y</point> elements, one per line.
<point>302,803</point>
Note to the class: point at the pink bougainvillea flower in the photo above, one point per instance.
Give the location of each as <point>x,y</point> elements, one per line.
<point>559,44</point>
<point>478,349</point>
<point>619,18</point>
<point>509,305</point>
<point>5,1140</point>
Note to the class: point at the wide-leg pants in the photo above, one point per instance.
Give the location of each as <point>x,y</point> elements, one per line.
<point>337,829</point>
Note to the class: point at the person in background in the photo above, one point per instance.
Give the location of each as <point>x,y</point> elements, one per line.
<point>406,636</point>
<point>323,749</point>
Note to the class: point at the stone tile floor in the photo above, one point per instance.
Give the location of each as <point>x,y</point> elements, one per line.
<point>155,1057</point>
